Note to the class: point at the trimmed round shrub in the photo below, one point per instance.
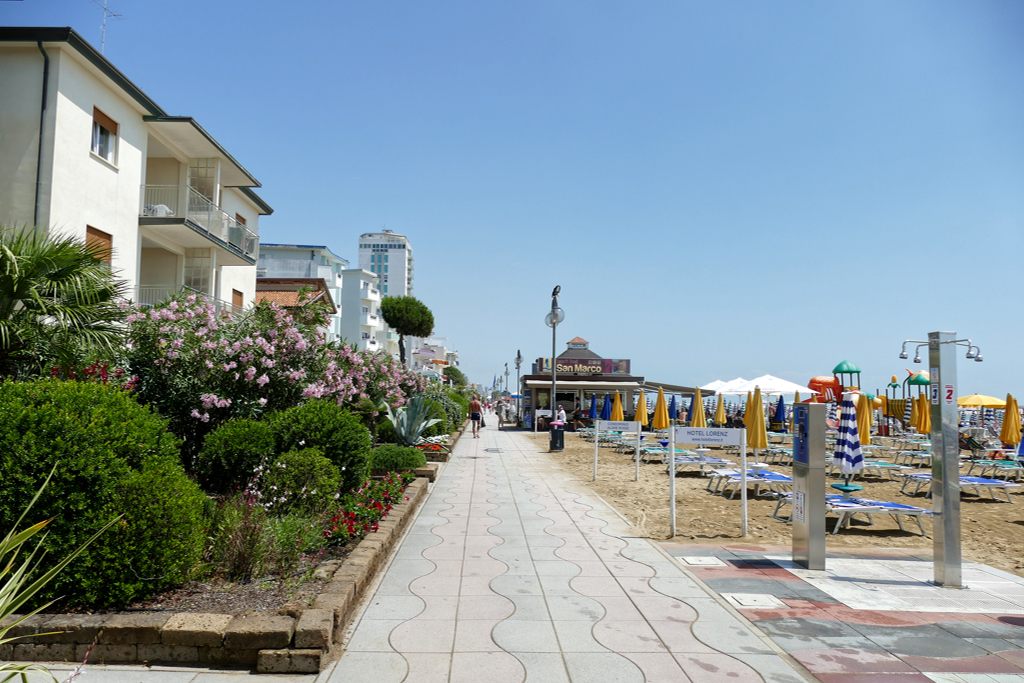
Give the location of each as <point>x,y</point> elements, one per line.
<point>231,454</point>
<point>340,436</point>
<point>393,458</point>
<point>386,432</point>
<point>299,480</point>
<point>113,455</point>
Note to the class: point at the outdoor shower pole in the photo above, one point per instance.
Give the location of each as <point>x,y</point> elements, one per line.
<point>945,460</point>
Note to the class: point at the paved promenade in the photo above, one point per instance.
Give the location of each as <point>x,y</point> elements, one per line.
<point>512,572</point>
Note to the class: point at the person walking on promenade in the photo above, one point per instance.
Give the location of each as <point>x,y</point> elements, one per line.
<point>500,408</point>
<point>474,415</point>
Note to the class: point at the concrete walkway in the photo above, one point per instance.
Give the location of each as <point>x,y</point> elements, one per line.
<point>514,572</point>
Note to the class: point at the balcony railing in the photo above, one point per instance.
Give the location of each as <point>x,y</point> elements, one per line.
<point>181,201</point>
<point>154,295</point>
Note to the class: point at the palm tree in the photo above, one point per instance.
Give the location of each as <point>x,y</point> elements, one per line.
<point>59,301</point>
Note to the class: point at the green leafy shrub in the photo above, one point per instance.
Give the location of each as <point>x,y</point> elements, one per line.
<point>340,436</point>
<point>231,454</point>
<point>392,458</point>
<point>299,480</point>
<point>386,432</point>
<point>463,403</point>
<point>112,453</point>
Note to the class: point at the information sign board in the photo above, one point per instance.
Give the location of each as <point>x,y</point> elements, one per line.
<point>617,426</point>
<point>708,436</point>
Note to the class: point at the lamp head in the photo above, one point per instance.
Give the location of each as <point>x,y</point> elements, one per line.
<point>971,353</point>
<point>556,290</point>
<point>555,316</point>
<point>917,357</point>
<point>977,358</point>
<point>903,354</point>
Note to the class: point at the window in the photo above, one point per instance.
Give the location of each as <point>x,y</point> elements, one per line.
<point>365,309</point>
<point>104,136</point>
<point>101,243</point>
<point>385,269</point>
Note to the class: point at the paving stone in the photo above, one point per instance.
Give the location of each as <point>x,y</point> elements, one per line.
<point>774,669</point>
<point>133,629</point>
<point>548,667</point>
<point>196,630</point>
<point>369,667</point>
<point>601,668</point>
<point>259,632</point>
<point>921,641</point>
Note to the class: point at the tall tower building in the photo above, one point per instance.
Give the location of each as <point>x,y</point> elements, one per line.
<point>389,256</point>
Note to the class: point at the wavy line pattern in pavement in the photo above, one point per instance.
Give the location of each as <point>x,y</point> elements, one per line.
<point>513,572</point>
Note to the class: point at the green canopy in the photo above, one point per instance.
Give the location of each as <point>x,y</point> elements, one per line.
<point>845,367</point>
<point>920,378</point>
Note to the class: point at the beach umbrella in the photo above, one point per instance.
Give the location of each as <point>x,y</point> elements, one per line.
<point>747,415</point>
<point>792,413</point>
<point>606,409</point>
<point>780,412</point>
<point>926,415</point>
<point>673,412</point>
<point>914,409</point>
<point>757,434</point>
<point>690,410</point>
<point>660,420</point>
<point>1010,433</point>
<point>720,411</point>
<point>617,414</point>
<point>593,407</point>
<point>641,409</point>
<point>848,454</point>
<point>864,419</point>
<point>980,401</point>
<point>697,418</point>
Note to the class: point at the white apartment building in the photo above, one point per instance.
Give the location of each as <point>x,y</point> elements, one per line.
<point>431,356</point>
<point>85,152</point>
<point>315,262</point>
<point>361,325</point>
<point>389,257</point>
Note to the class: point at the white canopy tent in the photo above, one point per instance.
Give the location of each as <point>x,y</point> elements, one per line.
<point>713,386</point>
<point>730,386</point>
<point>769,386</point>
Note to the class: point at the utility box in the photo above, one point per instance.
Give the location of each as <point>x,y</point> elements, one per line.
<point>809,485</point>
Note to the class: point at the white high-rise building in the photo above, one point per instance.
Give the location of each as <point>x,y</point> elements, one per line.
<point>389,257</point>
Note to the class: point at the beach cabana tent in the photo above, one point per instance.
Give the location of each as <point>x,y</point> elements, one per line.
<point>769,385</point>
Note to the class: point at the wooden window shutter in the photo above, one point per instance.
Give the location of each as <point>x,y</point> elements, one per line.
<point>100,243</point>
<point>104,120</point>
<point>236,299</point>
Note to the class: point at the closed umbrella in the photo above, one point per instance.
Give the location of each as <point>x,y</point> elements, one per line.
<point>915,414</point>
<point>757,435</point>
<point>746,410</point>
<point>1010,433</point>
<point>697,418</point>
<point>780,413</point>
<point>606,409</point>
<point>720,411</point>
<point>617,414</point>
<point>641,409</point>
<point>593,407</point>
<point>660,420</point>
<point>673,412</point>
<point>690,411</point>
<point>792,413</point>
<point>864,419</point>
<point>926,415</point>
<point>848,455</point>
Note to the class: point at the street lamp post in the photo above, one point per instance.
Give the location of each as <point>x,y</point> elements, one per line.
<point>506,378</point>
<point>519,389</point>
<point>554,316</point>
<point>946,553</point>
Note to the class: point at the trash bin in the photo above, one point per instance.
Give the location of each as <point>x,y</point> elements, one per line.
<point>557,438</point>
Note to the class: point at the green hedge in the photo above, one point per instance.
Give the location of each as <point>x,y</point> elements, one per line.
<point>115,456</point>
<point>302,480</point>
<point>340,436</point>
<point>394,458</point>
<point>232,453</point>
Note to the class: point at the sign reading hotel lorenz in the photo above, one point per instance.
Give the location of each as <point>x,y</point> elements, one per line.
<point>586,366</point>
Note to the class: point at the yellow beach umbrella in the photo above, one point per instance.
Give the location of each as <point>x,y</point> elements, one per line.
<point>1010,433</point>
<point>746,411</point>
<point>641,408</point>
<point>980,401</point>
<point>792,414</point>
<point>699,420</point>
<point>720,411</point>
<point>915,417</point>
<point>926,415</point>
<point>757,433</point>
<point>864,419</point>
<point>660,420</point>
<point>617,413</point>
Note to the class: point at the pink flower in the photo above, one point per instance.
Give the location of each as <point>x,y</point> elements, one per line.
<point>250,373</point>
<point>262,401</point>
<point>263,379</point>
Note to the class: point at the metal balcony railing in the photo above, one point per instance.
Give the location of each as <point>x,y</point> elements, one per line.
<point>154,295</point>
<point>181,201</point>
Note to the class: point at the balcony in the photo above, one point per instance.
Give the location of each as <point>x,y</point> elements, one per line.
<point>368,319</point>
<point>154,295</point>
<point>163,204</point>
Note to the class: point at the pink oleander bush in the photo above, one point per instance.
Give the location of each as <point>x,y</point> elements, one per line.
<point>199,368</point>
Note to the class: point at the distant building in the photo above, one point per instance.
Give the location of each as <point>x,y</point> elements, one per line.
<point>361,324</point>
<point>310,265</point>
<point>285,292</point>
<point>389,257</point>
<point>84,152</point>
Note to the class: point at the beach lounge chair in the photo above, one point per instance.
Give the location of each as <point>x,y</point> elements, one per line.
<point>919,479</point>
<point>773,481</point>
<point>846,509</point>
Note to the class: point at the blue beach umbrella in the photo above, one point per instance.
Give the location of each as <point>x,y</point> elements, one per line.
<point>606,409</point>
<point>673,413</point>
<point>593,406</point>
<point>689,411</point>
<point>848,456</point>
<point>780,412</point>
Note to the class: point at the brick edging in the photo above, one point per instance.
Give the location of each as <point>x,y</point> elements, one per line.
<point>289,640</point>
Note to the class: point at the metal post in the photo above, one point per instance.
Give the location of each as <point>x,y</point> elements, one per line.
<point>672,481</point>
<point>638,430</point>
<point>597,439</point>
<point>743,480</point>
<point>809,485</point>
<point>945,460</point>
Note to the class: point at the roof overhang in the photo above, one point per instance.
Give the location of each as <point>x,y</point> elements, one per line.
<point>591,384</point>
<point>186,133</point>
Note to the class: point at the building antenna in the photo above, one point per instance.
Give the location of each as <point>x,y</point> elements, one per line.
<point>106,13</point>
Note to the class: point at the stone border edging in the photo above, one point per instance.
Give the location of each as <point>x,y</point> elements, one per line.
<point>290,640</point>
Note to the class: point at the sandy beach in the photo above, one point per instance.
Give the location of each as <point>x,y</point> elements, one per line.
<point>992,531</point>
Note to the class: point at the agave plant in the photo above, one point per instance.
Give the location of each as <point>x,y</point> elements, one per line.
<point>18,583</point>
<point>412,419</point>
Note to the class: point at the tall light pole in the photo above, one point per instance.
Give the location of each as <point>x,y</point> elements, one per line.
<point>946,549</point>
<point>519,389</point>
<point>554,316</point>
<point>506,378</point>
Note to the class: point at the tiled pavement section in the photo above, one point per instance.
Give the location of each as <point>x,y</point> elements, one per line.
<point>511,572</point>
<point>838,643</point>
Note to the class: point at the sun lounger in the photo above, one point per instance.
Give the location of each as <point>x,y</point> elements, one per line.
<point>695,462</point>
<point>775,483</point>
<point>919,479</point>
<point>884,469</point>
<point>846,509</point>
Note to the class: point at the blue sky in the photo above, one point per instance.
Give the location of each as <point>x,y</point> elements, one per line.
<point>720,188</point>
